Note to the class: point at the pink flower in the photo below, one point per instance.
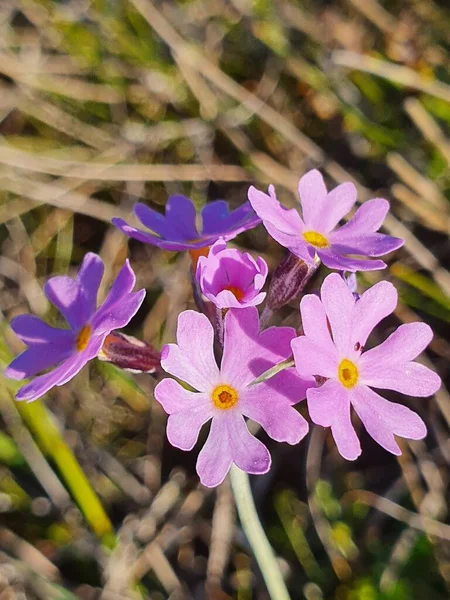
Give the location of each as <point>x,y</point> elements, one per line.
<point>336,330</point>
<point>317,232</point>
<point>225,394</point>
<point>231,279</point>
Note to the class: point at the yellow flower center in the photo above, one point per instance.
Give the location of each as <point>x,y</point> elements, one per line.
<point>348,373</point>
<point>224,397</point>
<point>238,293</point>
<point>316,239</point>
<point>83,338</point>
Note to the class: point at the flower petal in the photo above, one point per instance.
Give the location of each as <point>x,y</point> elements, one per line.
<point>403,345</point>
<point>120,304</point>
<point>76,298</point>
<point>315,324</point>
<point>34,331</point>
<point>373,306</point>
<point>215,458</point>
<point>155,221</point>
<point>367,219</point>
<point>248,353</point>
<point>371,244</point>
<point>338,203</point>
<point>61,374</point>
<point>382,419</point>
<point>312,359</point>
<point>313,194</point>
<point>36,359</point>
<point>332,259</point>
<point>329,406</point>
<point>339,305</point>
<point>180,216</point>
<point>217,219</point>
<point>294,243</point>
<point>192,358</point>
<point>268,208</point>
<point>249,454</point>
<point>268,405</point>
<point>409,378</point>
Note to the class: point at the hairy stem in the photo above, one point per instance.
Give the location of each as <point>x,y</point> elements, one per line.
<point>257,539</point>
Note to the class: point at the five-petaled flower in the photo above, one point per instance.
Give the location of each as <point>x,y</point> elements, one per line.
<point>225,395</point>
<point>177,229</point>
<point>231,279</point>
<point>336,328</point>
<point>68,350</point>
<point>317,232</point>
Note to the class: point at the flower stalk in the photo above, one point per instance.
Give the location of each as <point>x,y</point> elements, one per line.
<point>256,537</point>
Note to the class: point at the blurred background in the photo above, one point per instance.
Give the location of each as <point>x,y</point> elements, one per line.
<point>104,102</point>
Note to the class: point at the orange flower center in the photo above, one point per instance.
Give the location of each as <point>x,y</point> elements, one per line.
<point>316,239</point>
<point>348,373</point>
<point>224,397</point>
<point>236,291</point>
<point>83,338</point>
<point>195,254</point>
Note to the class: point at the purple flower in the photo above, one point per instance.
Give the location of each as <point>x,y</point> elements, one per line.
<point>225,395</point>
<point>177,230</point>
<point>336,330</point>
<point>317,232</point>
<point>230,279</point>
<point>68,350</point>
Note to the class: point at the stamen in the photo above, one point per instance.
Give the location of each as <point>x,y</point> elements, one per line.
<point>83,338</point>
<point>348,373</point>
<point>316,239</point>
<point>224,397</point>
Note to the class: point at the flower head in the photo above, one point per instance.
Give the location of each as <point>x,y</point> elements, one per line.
<point>225,395</point>
<point>177,229</point>
<point>231,279</point>
<point>336,329</point>
<point>317,232</point>
<point>68,350</point>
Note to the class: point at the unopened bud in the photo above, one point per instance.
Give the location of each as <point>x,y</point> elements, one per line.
<point>288,281</point>
<point>129,353</point>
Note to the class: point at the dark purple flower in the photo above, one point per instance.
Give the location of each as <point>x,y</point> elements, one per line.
<point>177,229</point>
<point>68,350</point>
<point>317,233</point>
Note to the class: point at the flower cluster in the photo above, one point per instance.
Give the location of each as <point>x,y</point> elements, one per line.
<point>232,369</point>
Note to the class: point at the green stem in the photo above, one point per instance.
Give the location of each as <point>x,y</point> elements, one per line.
<point>257,539</point>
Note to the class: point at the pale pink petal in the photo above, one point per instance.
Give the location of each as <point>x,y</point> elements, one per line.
<point>294,243</point>
<point>367,219</point>
<point>248,353</point>
<point>265,405</point>
<point>409,378</point>
<point>271,211</point>
<point>311,359</point>
<point>313,194</point>
<point>403,345</point>
<point>329,406</point>
<point>215,458</point>
<point>382,419</point>
<point>373,306</point>
<point>314,321</point>
<point>249,454</point>
<point>339,304</point>
<point>192,359</point>
<point>337,204</point>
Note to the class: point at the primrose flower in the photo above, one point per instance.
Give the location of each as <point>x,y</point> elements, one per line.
<point>177,230</point>
<point>231,279</point>
<point>317,232</point>
<point>68,350</point>
<point>336,329</point>
<point>225,395</point>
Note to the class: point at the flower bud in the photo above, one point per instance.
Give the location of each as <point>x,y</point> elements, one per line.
<point>129,353</point>
<point>288,281</point>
